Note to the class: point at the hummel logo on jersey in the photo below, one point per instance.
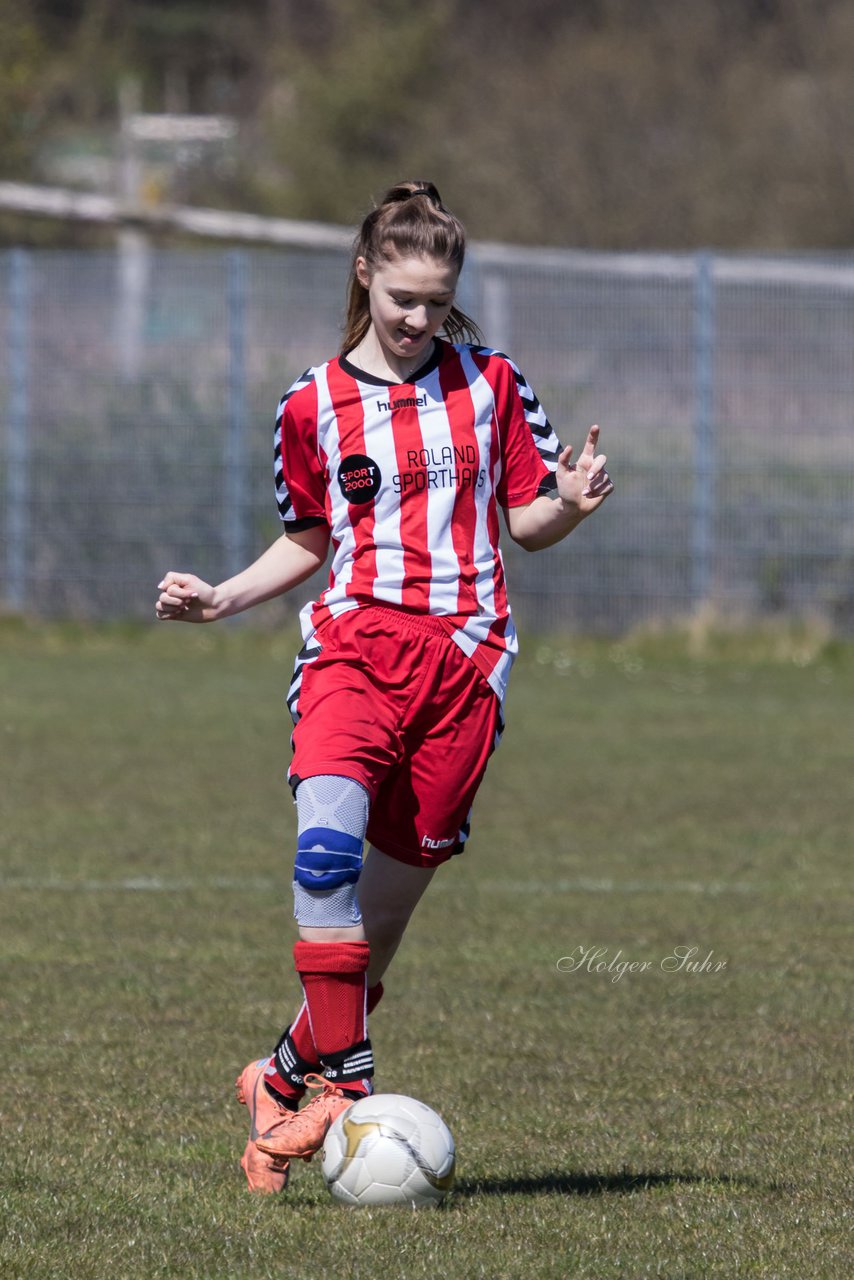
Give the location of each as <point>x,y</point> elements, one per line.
<point>405,402</point>
<point>359,477</point>
<point>429,843</point>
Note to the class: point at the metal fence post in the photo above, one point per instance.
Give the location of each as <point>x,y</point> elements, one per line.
<point>703,511</point>
<point>18,430</point>
<point>237,539</point>
<point>496,311</point>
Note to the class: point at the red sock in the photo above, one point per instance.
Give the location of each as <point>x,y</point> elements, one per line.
<point>301,1026</point>
<point>333,979</point>
<point>301,1035</point>
<point>303,1046</point>
<point>293,1057</point>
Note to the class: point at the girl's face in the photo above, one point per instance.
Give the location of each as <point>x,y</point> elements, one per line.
<point>410,299</point>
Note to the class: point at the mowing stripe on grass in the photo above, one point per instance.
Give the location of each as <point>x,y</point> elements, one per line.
<point>243,884</point>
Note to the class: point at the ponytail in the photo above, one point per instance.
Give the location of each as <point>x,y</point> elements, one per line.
<point>410,222</point>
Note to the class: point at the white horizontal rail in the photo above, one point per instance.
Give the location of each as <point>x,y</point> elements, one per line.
<point>220,224</point>
<point>223,224</point>
<point>726,269</point>
<point>180,128</point>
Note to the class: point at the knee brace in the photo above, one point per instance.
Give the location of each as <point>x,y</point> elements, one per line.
<point>332,814</point>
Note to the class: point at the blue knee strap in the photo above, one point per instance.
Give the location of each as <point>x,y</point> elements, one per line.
<point>327,858</point>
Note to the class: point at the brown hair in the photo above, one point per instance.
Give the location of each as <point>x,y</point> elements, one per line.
<point>411,221</point>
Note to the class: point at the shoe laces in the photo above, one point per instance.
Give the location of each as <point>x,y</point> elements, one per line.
<point>325,1087</point>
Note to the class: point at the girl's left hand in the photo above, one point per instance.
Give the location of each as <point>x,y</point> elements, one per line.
<point>584,484</point>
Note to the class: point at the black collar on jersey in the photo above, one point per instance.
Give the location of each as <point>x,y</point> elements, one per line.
<point>360,375</point>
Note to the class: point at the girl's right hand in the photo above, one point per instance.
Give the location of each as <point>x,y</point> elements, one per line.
<point>184,598</point>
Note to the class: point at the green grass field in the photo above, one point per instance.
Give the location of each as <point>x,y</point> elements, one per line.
<point>663,792</point>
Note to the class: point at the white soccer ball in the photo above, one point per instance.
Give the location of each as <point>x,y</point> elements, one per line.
<point>388,1149</point>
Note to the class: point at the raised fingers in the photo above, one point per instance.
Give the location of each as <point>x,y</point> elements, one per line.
<point>599,482</point>
<point>587,455</point>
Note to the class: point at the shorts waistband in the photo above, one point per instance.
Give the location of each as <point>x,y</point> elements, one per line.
<point>429,622</point>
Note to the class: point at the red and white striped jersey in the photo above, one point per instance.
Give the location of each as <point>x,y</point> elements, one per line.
<point>409,478</point>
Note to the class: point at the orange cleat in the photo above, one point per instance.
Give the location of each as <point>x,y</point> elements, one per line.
<point>265,1173</point>
<point>297,1135</point>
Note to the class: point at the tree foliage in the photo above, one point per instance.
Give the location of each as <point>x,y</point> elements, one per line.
<point>23,58</point>
<point>588,122</point>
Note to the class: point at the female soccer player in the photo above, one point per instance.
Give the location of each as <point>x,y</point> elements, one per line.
<point>400,452</point>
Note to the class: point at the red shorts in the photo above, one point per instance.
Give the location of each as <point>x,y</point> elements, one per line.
<point>393,702</point>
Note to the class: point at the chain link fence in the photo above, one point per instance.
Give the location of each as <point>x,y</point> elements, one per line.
<point>139,387</point>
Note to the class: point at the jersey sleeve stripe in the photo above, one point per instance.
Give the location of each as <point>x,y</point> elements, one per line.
<point>284,500</point>
<point>541,429</point>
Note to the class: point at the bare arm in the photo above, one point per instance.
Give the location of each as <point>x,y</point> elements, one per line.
<point>582,487</point>
<point>289,561</point>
